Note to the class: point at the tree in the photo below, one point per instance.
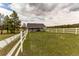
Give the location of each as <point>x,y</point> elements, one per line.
<point>16,22</point>
<point>12,22</point>
<point>7,23</point>
<point>1,23</point>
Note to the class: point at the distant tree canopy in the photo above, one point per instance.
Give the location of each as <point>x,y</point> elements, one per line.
<point>67,26</point>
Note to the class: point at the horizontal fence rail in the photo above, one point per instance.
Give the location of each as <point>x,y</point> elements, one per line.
<point>7,41</point>
<point>64,30</point>
<point>19,43</point>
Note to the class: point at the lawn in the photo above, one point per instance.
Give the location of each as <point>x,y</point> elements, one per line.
<point>51,44</point>
<point>3,36</point>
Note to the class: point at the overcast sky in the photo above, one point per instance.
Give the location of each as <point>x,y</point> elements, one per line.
<point>49,13</point>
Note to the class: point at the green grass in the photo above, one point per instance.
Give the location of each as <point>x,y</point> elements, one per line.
<point>3,36</point>
<point>51,44</point>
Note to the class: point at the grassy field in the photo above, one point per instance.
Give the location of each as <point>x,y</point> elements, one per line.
<point>51,44</point>
<point>3,36</point>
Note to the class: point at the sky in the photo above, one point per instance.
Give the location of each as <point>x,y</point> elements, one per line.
<point>50,14</point>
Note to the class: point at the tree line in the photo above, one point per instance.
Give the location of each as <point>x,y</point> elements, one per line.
<point>66,26</point>
<point>11,23</point>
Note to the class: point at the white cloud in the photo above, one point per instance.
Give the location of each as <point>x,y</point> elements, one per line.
<point>5,11</point>
<point>60,13</point>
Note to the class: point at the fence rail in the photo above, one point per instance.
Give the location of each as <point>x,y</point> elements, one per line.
<point>64,30</point>
<point>18,44</point>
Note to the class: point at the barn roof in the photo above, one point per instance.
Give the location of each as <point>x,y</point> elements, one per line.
<point>35,25</point>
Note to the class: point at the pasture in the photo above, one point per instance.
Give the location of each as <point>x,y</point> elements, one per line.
<point>51,44</point>
<point>4,36</point>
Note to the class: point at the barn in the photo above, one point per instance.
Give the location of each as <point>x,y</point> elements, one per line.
<point>35,27</point>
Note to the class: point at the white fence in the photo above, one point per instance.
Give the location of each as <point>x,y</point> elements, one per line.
<point>64,30</point>
<point>7,41</point>
<point>18,44</point>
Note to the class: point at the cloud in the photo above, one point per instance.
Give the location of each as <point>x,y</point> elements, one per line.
<point>75,7</point>
<point>39,8</point>
<point>43,6</point>
<point>33,8</point>
<point>51,13</point>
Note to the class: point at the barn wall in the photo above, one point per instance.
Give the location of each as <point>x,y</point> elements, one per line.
<point>36,30</point>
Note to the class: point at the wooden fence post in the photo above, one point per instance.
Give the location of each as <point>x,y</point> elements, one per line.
<point>21,41</point>
<point>63,30</point>
<point>56,30</point>
<point>75,30</point>
<point>19,44</point>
